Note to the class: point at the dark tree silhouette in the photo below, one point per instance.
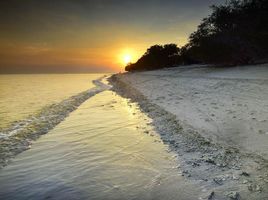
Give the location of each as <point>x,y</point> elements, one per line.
<point>156,57</point>
<point>233,34</point>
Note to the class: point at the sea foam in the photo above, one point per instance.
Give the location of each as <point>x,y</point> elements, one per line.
<point>19,135</point>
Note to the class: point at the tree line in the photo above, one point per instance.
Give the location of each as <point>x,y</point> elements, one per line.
<point>235,33</point>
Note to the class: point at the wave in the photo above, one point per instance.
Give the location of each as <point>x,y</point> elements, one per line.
<point>19,136</point>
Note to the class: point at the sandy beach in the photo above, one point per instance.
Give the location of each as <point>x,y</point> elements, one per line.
<point>214,118</point>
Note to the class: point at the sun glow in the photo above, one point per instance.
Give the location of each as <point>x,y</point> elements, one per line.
<point>127,58</point>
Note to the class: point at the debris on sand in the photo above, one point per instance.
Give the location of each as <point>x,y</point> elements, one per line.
<point>234,195</point>
<point>220,167</point>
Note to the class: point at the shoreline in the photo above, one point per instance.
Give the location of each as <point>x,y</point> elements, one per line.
<point>19,136</point>
<point>223,170</point>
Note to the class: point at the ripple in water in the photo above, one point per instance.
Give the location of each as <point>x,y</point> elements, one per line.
<point>103,150</point>
<point>17,137</point>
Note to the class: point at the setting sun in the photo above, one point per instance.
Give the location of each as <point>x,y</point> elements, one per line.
<point>140,99</point>
<point>127,55</point>
<point>127,58</point>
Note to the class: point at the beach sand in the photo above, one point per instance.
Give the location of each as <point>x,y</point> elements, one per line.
<point>215,118</point>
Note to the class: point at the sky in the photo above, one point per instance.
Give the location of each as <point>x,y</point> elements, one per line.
<point>91,35</point>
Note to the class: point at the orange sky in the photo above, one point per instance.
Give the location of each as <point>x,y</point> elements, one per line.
<point>90,35</point>
<point>85,49</point>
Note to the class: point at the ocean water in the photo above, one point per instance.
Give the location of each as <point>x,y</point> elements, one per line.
<point>24,95</point>
<point>104,149</point>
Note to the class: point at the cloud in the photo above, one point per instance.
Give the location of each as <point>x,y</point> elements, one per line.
<point>91,32</point>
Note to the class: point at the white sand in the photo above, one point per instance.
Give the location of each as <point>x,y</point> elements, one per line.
<point>227,105</point>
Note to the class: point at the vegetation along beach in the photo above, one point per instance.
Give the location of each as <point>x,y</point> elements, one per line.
<point>145,100</point>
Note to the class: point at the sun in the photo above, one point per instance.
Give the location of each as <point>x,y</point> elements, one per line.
<point>127,58</point>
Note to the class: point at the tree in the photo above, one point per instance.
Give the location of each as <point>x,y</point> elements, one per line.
<point>234,33</point>
<point>156,57</point>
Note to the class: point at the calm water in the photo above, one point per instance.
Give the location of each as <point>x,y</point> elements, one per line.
<point>23,95</point>
<point>106,149</point>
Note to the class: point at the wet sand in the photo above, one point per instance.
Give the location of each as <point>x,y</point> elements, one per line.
<point>214,118</point>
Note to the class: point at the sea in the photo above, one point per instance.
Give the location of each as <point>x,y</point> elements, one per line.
<point>69,136</point>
